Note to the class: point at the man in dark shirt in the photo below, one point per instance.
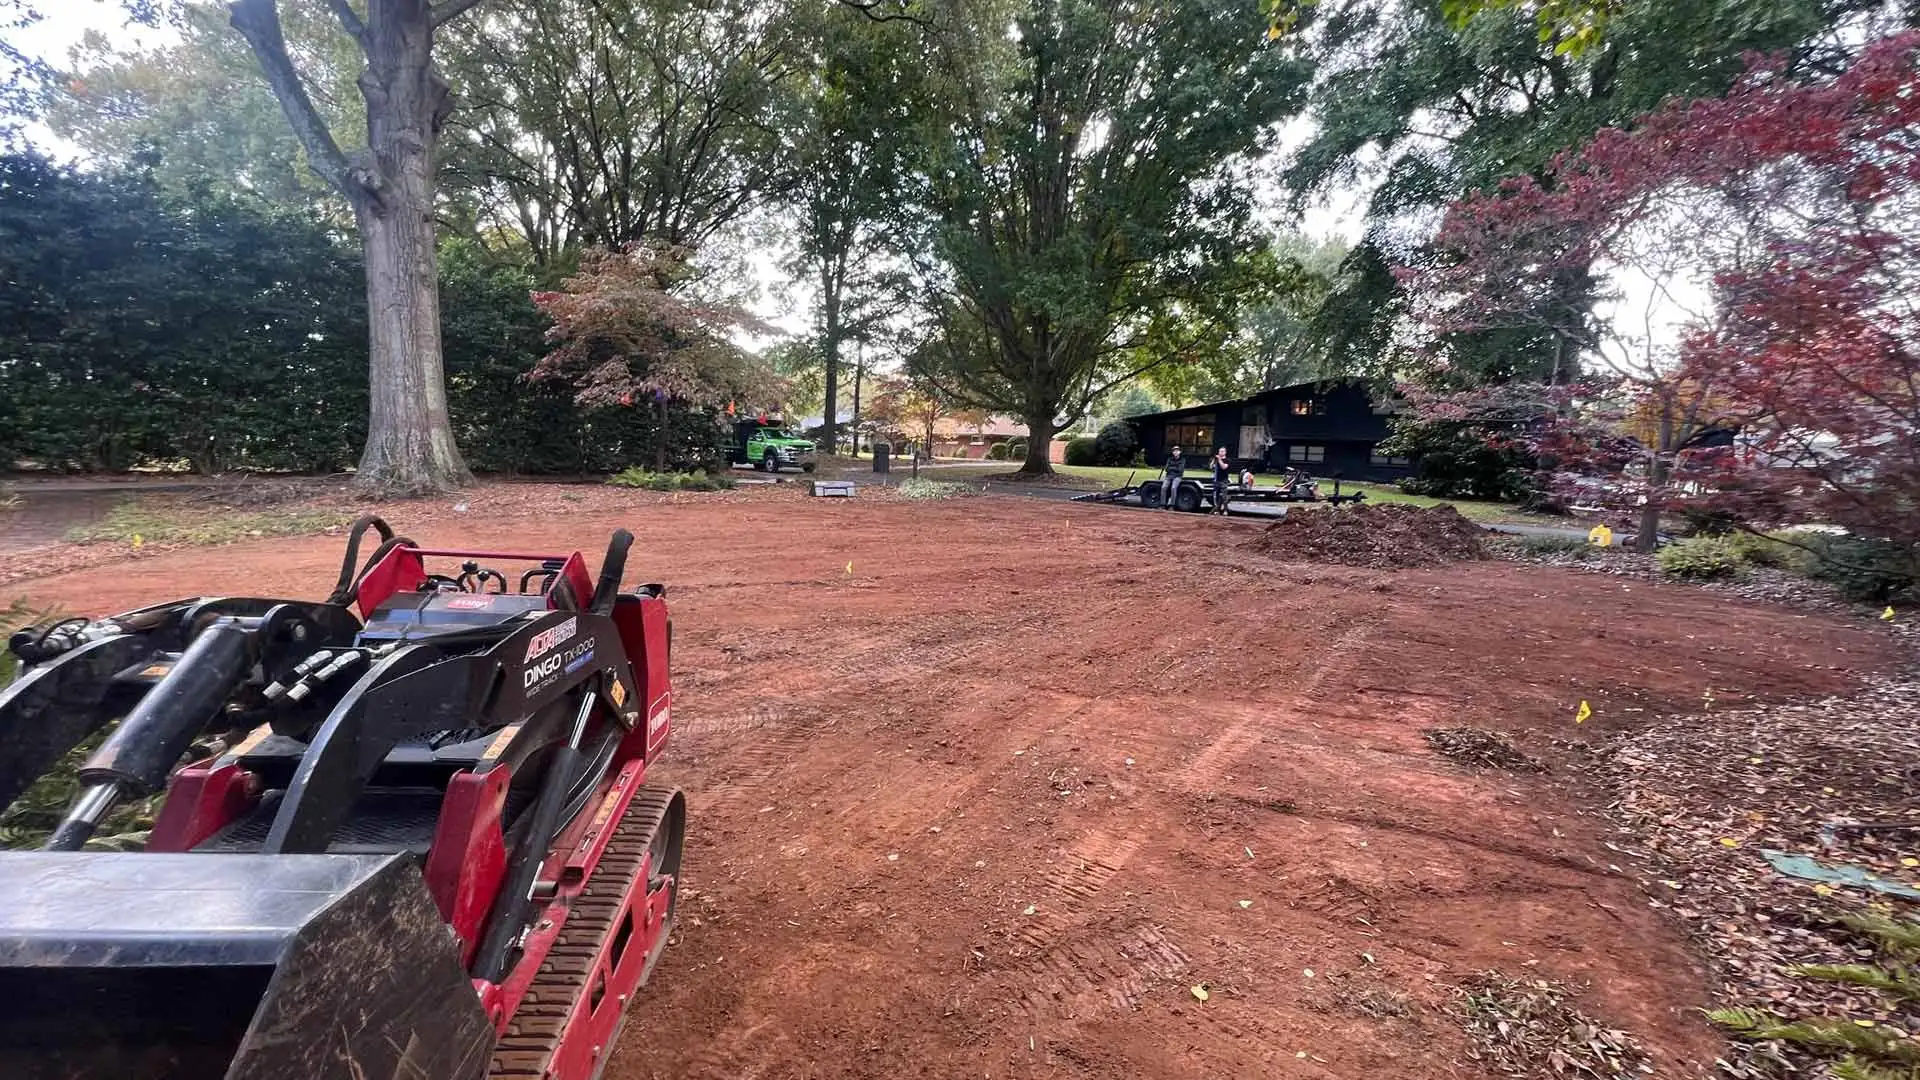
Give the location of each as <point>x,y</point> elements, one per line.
<point>1170,477</point>
<point>1222,472</point>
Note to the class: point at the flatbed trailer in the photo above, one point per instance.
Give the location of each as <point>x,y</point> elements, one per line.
<point>1194,495</point>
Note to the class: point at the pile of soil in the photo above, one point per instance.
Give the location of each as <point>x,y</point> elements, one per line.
<point>1384,537</point>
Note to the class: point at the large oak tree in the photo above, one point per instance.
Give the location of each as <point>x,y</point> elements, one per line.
<point>390,185</point>
<point>1089,191</point>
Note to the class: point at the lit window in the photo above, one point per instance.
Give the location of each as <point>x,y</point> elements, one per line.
<point>1193,439</point>
<point>1309,407</point>
<point>1306,453</point>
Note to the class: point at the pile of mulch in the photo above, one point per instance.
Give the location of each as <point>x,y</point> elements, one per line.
<point>1479,749</point>
<point>1699,798</point>
<point>1387,536</point>
<point>1531,1028</point>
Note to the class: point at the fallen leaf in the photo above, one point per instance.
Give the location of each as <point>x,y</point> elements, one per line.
<point>893,856</point>
<point>1030,910</point>
<point>1308,973</point>
<point>1200,991</point>
<point>1728,841</point>
<point>1910,862</point>
<point>1246,903</point>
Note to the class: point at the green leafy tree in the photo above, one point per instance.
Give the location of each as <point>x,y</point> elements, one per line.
<point>851,148</point>
<point>588,122</point>
<point>201,109</point>
<point>1088,190</point>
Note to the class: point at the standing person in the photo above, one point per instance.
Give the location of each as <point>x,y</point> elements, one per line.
<point>1222,474</point>
<point>1170,474</point>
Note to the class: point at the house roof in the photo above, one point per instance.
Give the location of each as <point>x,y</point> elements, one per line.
<point>995,426</point>
<point>1195,410</point>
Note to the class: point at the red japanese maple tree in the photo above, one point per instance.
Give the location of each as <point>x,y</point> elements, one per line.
<point>623,335</point>
<point>1775,231</point>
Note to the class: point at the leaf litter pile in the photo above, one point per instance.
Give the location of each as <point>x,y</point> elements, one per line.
<point>1479,749</point>
<point>1530,1028</point>
<point>1389,536</point>
<point>1764,829</point>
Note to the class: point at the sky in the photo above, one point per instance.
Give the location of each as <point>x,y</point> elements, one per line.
<point>63,23</point>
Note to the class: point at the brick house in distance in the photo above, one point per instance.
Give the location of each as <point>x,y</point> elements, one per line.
<point>1328,428</point>
<point>956,438</point>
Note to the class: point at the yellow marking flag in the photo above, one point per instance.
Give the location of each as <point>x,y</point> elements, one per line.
<point>849,566</point>
<point>1887,615</point>
<point>1586,710</point>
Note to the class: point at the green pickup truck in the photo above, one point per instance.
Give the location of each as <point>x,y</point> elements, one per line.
<point>770,447</point>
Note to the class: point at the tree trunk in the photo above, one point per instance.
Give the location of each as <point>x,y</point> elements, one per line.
<point>830,356</point>
<point>830,430</point>
<point>410,445</point>
<point>660,439</point>
<point>1039,461</point>
<point>1648,539</point>
<point>859,376</point>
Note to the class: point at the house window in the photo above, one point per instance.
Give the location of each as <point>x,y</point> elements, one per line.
<point>1306,453</point>
<point>978,439</point>
<point>1254,442</point>
<point>1309,407</point>
<point>1379,458</point>
<point>1193,439</point>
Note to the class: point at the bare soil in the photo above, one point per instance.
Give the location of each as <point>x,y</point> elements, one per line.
<point>984,788</point>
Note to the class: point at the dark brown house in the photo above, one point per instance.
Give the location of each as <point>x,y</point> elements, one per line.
<point>1331,428</point>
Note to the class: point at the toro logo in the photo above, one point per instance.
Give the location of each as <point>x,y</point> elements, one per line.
<point>470,603</point>
<point>545,640</point>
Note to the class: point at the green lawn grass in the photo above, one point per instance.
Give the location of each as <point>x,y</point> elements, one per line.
<point>161,524</point>
<point>1102,478</point>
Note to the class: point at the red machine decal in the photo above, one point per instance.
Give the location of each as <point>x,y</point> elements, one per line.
<point>642,621</point>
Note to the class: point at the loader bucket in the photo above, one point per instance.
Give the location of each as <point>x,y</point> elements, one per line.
<point>140,966</point>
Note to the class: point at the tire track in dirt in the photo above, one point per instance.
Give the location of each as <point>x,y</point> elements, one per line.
<point>1078,973</point>
<point>778,729</point>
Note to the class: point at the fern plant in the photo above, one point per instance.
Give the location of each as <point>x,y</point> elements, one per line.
<point>1863,1049</point>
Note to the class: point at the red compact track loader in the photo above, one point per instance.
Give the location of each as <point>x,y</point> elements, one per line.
<point>407,832</point>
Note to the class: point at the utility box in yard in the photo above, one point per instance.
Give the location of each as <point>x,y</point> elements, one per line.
<point>835,489</point>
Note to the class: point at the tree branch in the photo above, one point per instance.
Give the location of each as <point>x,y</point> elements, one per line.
<point>448,10</point>
<point>259,22</point>
<point>887,11</point>
<point>350,21</point>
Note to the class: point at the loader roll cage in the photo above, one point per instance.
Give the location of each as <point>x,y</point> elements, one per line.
<point>397,566</point>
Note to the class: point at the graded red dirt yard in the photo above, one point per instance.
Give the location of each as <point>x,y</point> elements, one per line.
<point>985,787</point>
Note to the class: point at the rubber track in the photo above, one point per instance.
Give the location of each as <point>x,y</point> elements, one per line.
<point>535,1030</point>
